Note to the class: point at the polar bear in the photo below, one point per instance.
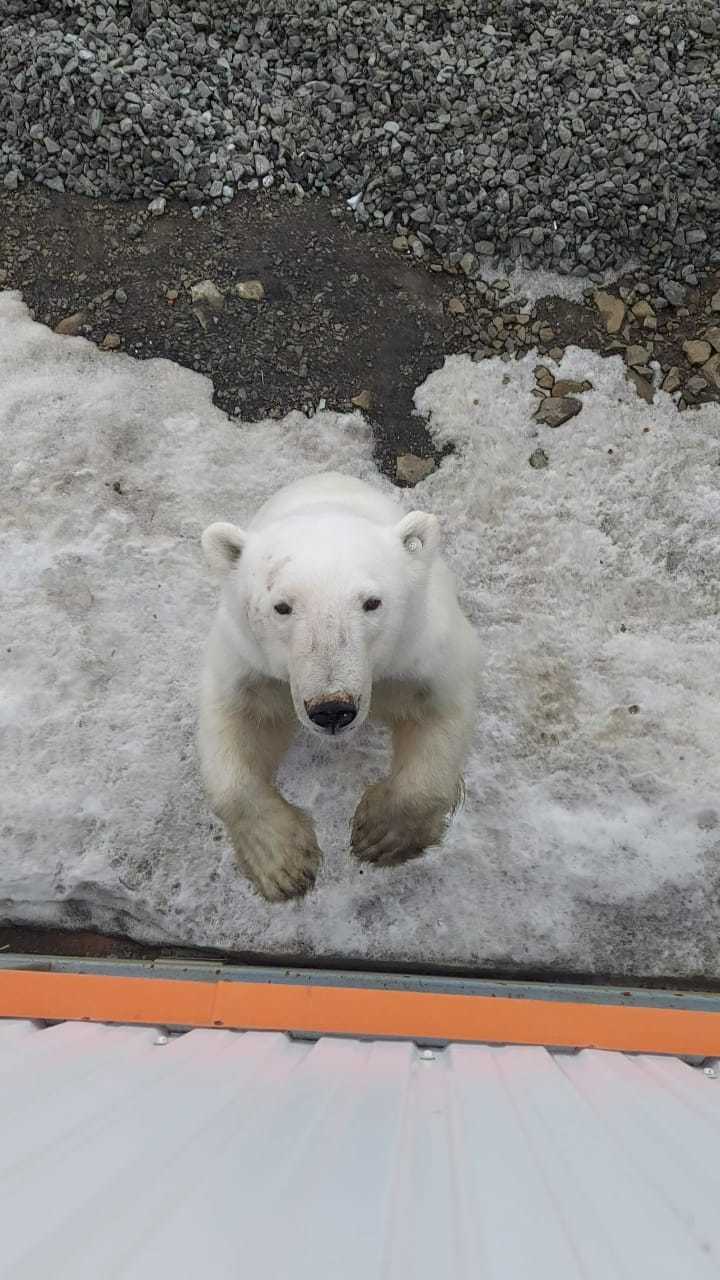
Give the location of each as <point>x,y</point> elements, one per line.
<point>334,608</point>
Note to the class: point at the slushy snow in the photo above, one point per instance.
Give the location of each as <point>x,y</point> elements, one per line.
<point>590,839</point>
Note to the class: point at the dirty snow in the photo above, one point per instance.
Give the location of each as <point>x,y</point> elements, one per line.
<point>530,285</point>
<point>590,840</point>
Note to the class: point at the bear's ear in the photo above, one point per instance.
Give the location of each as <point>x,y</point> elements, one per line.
<point>223,545</point>
<point>419,533</point>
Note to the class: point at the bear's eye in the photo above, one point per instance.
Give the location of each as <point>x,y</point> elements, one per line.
<point>372,604</point>
<point>283,608</point>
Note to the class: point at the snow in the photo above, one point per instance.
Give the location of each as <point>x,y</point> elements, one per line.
<point>531,284</point>
<point>590,839</point>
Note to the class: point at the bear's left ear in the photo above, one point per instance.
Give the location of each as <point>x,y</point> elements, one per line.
<point>419,533</point>
<point>223,546</point>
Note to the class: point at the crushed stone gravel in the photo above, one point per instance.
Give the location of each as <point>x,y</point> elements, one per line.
<point>568,134</point>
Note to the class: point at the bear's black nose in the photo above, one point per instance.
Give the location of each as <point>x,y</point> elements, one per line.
<point>332,715</point>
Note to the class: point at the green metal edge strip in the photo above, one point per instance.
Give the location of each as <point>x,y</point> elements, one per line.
<point>203,971</point>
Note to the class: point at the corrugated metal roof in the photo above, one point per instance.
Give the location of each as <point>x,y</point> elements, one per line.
<point>127,1153</point>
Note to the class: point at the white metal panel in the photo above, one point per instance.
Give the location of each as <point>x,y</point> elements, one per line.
<point>126,1154</point>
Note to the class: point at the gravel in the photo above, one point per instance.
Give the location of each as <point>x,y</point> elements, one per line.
<point>563,134</point>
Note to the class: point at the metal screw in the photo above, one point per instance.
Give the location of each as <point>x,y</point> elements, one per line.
<point>427,1055</point>
<point>161,1040</point>
<point>710,1072</point>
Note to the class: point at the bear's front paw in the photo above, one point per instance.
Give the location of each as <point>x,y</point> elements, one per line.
<point>387,830</point>
<point>280,855</point>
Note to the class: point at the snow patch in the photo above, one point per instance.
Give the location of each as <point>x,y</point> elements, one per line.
<point>589,840</point>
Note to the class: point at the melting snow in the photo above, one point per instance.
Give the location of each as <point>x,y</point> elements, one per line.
<point>591,835</point>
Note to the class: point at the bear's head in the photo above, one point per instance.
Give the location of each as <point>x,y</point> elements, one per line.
<point>327,601</point>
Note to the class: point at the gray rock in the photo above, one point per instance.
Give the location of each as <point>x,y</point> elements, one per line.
<point>411,469</point>
<point>208,295</point>
<point>611,308</point>
<point>539,143</point>
<point>71,325</point>
<point>637,356</point>
<point>711,371</point>
<point>697,351</point>
<point>642,384</point>
<point>250,290</point>
<point>140,14</point>
<point>696,385</point>
<point>553,412</point>
<point>544,377</point>
<point>568,387</point>
<point>674,292</point>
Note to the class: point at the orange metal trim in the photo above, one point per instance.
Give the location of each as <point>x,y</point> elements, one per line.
<point>356,1011</point>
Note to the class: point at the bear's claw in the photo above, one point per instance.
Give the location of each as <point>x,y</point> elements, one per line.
<point>388,833</point>
<point>280,856</point>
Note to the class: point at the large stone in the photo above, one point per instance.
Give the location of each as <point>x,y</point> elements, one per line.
<point>697,352</point>
<point>208,295</point>
<point>643,310</point>
<point>553,412</point>
<point>611,309</point>
<point>411,469</point>
<point>637,356</point>
<point>566,387</point>
<point>544,377</point>
<point>711,371</point>
<point>696,385</point>
<point>674,292</point>
<point>250,290</point>
<point>643,386</point>
<point>71,325</point>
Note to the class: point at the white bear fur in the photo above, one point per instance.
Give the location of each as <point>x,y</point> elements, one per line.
<point>324,546</point>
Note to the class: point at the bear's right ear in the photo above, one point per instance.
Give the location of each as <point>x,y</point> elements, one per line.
<point>223,545</point>
<point>420,533</point>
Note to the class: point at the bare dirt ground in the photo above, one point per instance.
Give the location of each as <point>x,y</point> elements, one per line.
<point>344,318</point>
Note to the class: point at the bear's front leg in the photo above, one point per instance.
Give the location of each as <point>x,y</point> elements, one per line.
<point>398,819</point>
<point>274,842</point>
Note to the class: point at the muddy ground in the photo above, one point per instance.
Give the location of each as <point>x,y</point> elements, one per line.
<point>343,315</point>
